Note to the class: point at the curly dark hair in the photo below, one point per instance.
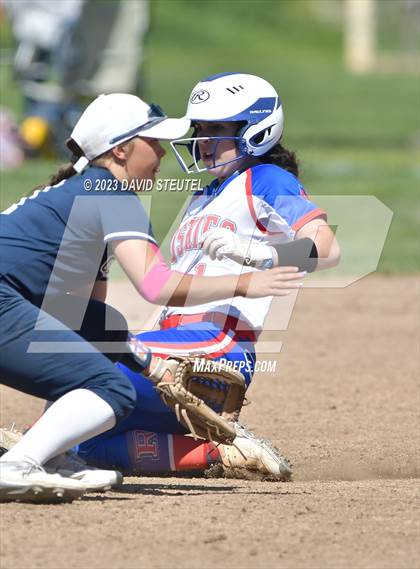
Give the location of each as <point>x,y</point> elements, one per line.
<point>281,156</point>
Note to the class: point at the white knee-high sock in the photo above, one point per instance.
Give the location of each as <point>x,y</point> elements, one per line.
<point>76,417</point>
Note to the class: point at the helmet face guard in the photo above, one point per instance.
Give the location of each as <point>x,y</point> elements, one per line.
<point>234,97</point>
<point>185,148</point>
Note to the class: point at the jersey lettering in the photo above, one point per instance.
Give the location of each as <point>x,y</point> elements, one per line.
<point>188,235</point>
<point>200,269</point>
<point>188,238</point>
<point>106,266</point>
<point>212,220</point>
<point>228,224</point>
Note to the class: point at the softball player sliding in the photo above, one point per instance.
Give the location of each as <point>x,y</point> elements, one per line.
<point>255,214</point>
<point>51,246</point>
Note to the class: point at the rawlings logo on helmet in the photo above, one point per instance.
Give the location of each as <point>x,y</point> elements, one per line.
<point>199,96</point>
<point>256,105</point>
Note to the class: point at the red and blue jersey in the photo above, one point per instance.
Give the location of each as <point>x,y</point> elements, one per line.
<point>265,203</point>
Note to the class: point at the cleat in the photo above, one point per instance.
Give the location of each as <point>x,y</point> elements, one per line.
<point>27,482</point>
<point>70,465</point>
<point>253,458</point>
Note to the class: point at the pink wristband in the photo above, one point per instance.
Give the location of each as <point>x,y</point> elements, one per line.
<point>156,278</point>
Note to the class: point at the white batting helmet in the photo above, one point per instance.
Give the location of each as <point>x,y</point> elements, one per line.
<point>234,97</point>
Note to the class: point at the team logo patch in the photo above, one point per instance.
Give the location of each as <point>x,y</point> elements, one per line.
<point>145,445</point>
<point>199,96</point>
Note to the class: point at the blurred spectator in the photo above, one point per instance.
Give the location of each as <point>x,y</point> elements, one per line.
<point>70,50</point>
<point>11,152</point>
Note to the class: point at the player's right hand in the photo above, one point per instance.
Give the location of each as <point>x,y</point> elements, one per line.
<point>222,242</point>
<point>279,281</point>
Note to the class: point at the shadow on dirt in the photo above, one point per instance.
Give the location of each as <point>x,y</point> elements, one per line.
<point>198,490</point>
<point>173,489</point>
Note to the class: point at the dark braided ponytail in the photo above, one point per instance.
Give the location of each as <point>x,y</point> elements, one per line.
<point>67,171</point>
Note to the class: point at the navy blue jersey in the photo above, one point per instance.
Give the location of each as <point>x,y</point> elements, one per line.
<point>57,237</point>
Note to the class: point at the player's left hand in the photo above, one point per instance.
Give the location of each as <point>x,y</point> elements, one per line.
<point>222,242</point>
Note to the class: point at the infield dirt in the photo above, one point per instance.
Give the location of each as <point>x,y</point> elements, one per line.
<point>344,407</point>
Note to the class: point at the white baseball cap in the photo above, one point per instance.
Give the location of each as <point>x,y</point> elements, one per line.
<point>112,119</point>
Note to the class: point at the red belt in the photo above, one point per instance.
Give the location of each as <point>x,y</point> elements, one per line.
<point>226,323</point>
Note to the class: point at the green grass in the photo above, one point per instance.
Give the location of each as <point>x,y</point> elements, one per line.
<point>353,135</point>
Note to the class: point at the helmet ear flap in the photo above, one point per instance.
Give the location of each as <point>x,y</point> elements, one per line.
<point>261,136</point>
